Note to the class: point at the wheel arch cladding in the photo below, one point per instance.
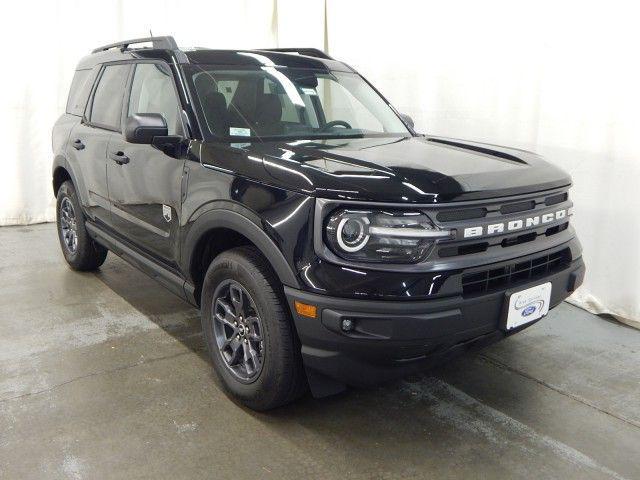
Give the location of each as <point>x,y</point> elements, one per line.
<point>60,175</point>
<point>218,230</point>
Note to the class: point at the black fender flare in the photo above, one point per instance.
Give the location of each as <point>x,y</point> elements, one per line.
<point>60,161</point>
<point>233,220</point>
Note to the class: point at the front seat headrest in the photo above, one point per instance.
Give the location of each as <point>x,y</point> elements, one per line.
<point>214,105</point>
<point>268,115</point>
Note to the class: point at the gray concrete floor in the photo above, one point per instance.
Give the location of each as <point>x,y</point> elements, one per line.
<point>105,376</point>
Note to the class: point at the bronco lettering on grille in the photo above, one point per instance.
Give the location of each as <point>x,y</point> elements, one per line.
<point>515,225</point>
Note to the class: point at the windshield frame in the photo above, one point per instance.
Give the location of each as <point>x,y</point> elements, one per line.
<point>190,70</point>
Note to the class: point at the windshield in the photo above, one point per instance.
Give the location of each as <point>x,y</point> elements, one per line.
<point>276,102</point>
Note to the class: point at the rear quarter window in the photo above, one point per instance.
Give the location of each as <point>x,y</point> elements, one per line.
<point>79,91</point>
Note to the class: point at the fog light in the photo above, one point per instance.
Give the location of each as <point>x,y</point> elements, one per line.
<point>347,325</point>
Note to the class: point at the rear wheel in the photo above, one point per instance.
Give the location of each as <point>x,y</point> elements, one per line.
<point>78,248</point>
<point>249,332</point>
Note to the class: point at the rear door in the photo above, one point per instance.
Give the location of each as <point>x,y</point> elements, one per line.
<point>89,139</point>
<point>145,192</point>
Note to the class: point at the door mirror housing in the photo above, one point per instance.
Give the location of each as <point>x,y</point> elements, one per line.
<point>143,127</point>
<point>407,119</point>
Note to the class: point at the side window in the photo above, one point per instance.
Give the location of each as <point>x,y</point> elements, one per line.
<point>106,108</point>
<point>152,92</point>
<point>79,91</point>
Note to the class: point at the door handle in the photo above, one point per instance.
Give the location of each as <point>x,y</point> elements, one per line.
<point>119,157</point>
<point>78,145</point>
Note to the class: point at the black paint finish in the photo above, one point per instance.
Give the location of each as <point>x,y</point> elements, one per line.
<point>168,207</point>
<point>406,169</point>
<point>158,202</point>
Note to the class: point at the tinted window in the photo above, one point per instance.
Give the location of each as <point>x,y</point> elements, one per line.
<point>152,92</point>
<point>107,101</point>
<point>79,91</point>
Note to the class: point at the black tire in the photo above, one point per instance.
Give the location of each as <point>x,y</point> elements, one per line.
<point>281,378</point>
<point>87,255</point>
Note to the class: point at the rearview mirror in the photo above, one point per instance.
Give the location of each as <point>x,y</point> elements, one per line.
<point>407,119</point>
<point>143,127</point>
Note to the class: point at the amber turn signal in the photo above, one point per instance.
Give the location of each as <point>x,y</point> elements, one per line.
<point>306,310</point>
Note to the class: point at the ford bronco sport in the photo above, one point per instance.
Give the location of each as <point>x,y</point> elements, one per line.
<point>326,242</point>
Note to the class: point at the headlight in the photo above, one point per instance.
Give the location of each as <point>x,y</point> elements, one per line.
<point>389,236</point>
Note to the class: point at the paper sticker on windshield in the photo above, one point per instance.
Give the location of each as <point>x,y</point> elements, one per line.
<point>239,132</point>
<point>308,91</point>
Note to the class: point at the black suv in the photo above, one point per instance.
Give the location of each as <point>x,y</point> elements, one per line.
<point>325,241</point>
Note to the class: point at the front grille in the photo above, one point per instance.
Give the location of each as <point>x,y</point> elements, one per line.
<point>503,216</point>
<point>555,199</point>
<point>463,250</point>
<point>457,215</point>
<point>517,207</point>
<point>470,248</point>
<point>492,280</point>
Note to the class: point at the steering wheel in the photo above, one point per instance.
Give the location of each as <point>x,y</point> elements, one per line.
<point>335,123</point>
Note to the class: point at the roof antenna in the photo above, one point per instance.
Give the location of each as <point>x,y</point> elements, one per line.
<point>150,33</point>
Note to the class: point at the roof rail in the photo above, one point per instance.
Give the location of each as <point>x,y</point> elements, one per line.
<point>309,52</point>
<point>158,42</point>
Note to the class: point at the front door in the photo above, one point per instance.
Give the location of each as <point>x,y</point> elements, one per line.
<point>145,191</point>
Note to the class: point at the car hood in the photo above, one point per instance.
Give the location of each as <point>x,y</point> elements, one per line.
<point>405,169</point>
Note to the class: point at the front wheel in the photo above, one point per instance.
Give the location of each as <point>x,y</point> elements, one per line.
<point>249,332</point>
<point>78,248</point>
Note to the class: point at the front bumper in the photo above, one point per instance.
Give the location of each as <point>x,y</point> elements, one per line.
<point>396,338</point>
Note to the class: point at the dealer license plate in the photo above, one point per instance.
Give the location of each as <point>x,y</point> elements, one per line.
<point>528,305</point>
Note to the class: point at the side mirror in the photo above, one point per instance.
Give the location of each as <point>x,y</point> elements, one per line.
<point>407,119</point>
<point>143,127</point>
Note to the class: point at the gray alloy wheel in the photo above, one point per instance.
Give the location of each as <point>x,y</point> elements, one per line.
<point>249,331</point>
<point>79,250</point>
<point>68,225</point>
<point>238,331</point>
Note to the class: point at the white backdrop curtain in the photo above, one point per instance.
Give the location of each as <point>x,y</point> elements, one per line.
<point>43,41</point>
<point>558,78</point>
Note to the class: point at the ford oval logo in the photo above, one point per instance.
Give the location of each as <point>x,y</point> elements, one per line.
<point>528,311</point>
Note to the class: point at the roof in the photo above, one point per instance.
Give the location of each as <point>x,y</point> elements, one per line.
<point>165,48</point>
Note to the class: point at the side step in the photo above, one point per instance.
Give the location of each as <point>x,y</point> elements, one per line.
<point>162,275</point>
